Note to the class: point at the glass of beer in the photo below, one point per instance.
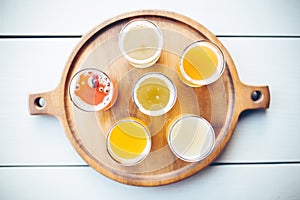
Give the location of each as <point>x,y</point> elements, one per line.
<point>128,141</point>
<point>201,63</point>
<point>92,90</point>
<point>154,94</point>
<point>190,137</point>
<point>141,42</point>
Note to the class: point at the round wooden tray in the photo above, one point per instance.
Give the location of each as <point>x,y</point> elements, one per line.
<point>220,102</point>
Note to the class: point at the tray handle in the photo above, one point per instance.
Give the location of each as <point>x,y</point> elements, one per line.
<point>253,97</point>
<point>46,103</point>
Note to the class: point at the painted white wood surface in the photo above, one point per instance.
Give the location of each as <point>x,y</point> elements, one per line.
<point>53,170</point>
<point>267,17</point>
<point>262,182</point>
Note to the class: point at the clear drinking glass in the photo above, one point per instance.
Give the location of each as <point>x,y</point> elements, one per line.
<point>154,94</point>
<point>191,138</point>
<point>141,42</point>
<point>201,63</point>
<point>128,141</point>
<point>92,90</point>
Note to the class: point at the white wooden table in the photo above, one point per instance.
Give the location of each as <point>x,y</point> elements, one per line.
<point>262,160</point>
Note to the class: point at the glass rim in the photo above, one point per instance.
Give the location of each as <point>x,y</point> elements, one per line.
<point>159,48</point>
<point>169,83</point>
<point>221,62</point>
<point>141,156</point>
<point>76,100</point>
<point>207,151</point>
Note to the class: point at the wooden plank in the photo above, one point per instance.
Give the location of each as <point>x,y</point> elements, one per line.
<point>271,133</point>
<point>32,65</point>
<point>227,18</point>
<point>217,182</point>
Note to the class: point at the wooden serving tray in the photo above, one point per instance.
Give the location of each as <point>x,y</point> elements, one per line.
<point>220,102</point>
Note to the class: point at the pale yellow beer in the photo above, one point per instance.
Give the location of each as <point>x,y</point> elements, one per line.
<point>191,138</point>
<point>141,42</point>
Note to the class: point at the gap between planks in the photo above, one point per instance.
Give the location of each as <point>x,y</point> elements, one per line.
<point>79,36</point>
<point>213,164</point>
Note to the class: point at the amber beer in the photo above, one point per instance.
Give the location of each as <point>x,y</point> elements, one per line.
<point>129,141</point>
<point>201,63</point>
